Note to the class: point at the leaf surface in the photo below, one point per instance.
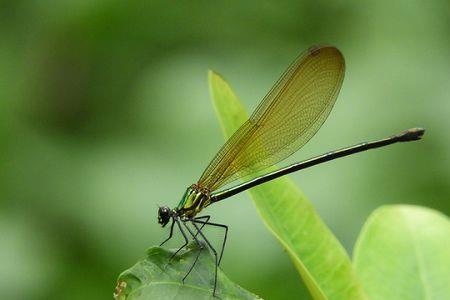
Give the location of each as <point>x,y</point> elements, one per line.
<point>155,278</point>
<point>403,252</point>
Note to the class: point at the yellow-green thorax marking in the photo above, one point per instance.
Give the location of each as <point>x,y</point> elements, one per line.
<point>193,201</point>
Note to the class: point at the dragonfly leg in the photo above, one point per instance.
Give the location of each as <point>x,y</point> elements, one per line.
<point>203,225</point>
<point>198,254</point>
<point>196,220</point>
<point>170,234</point>
<point>186,241</point>
<point>212,249</point>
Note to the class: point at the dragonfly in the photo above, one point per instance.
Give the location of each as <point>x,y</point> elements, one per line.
<point>285,120</point>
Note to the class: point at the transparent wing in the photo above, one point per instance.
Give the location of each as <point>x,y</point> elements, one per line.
<point>291,113</point>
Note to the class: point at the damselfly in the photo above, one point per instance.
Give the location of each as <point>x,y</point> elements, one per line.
<point>286,119</point>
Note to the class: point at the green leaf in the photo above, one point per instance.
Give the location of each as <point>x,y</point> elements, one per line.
<point>320,259</point>
<point>403,252</point>
<point>155,277</point>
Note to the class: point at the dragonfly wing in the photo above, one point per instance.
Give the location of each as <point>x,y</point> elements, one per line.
<point>291,113</point>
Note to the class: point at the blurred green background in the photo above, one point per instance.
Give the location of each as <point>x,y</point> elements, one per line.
<point>105,113</point>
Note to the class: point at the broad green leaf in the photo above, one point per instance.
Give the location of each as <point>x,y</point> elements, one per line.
<point>318,256</point>
<point>403,252</point>
<point>155,278</point>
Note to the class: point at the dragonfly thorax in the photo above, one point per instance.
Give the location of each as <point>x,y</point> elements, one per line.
<point>193,201</point>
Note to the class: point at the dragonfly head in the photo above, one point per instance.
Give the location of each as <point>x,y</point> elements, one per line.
<point>164,214</point>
